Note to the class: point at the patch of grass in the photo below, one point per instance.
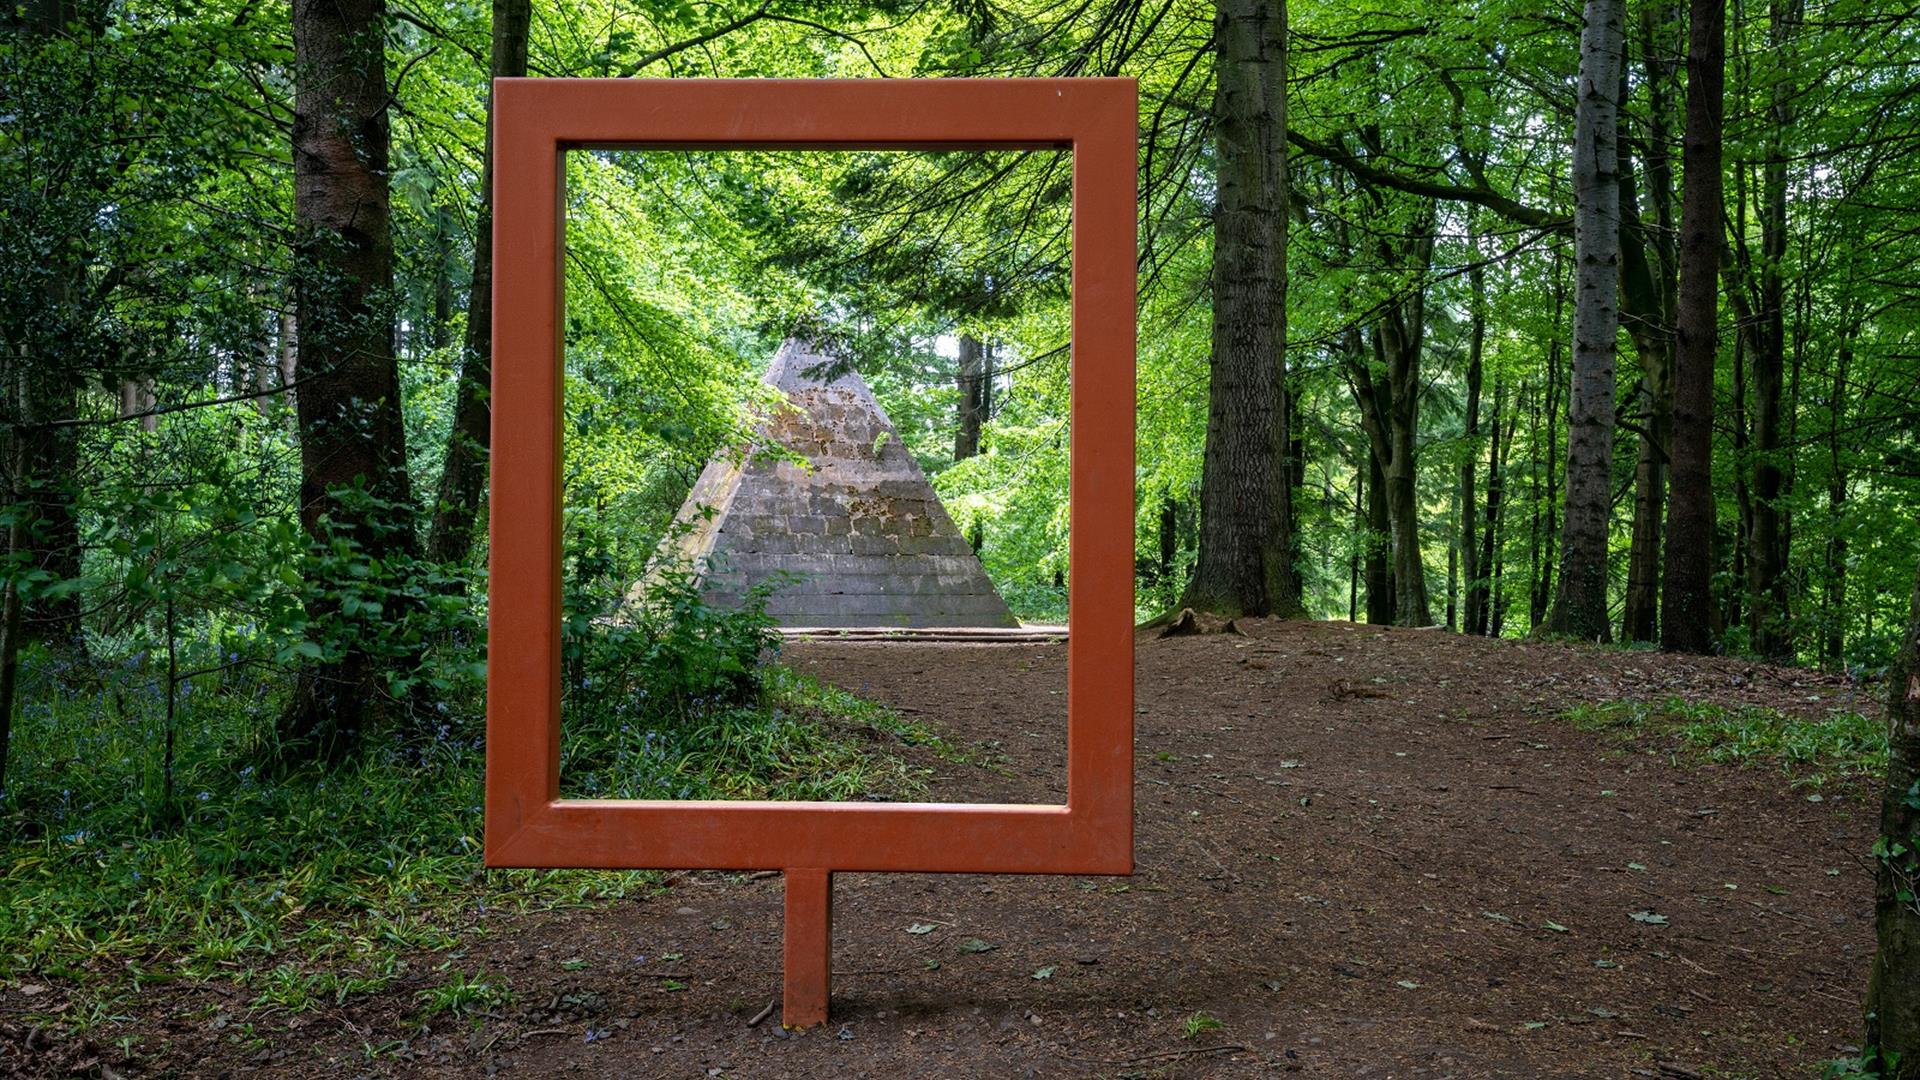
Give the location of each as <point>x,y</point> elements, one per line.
<point>463,995</point>
<point>803,740</point>
<point>1198,1024</point>
<point>1841,743</point>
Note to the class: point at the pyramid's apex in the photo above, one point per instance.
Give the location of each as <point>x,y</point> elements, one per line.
<point>801,362</point>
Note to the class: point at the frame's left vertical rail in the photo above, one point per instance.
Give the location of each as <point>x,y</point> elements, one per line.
<point>523,618</point>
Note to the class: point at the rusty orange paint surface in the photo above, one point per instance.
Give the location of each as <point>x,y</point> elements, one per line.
<point>527,823</point>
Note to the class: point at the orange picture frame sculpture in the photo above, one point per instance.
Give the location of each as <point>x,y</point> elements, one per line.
<point>528,824</point>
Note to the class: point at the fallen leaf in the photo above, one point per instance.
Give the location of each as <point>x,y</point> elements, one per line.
<point>922,928</point>
<point>975,945</point>
<point>1555,927</point>
<point>1044,973</point>
<point>1407,984</point>
<point>1649,917</point>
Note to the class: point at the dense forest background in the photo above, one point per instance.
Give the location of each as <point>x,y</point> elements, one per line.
<point>1499,317</point>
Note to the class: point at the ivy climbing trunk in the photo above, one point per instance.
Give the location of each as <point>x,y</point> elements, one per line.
<point>1246,515</point>
<point>355,503</point>
<point>1893,985</point>
<point>463,471</point>
<point>1687,615</point>
<point>1580,604</point>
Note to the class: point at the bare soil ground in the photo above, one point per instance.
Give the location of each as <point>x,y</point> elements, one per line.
<point>1363,852</point>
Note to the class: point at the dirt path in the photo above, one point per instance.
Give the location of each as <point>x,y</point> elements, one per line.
<point>1364,853</point>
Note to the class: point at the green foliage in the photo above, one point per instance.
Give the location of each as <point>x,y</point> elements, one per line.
<point>1840,743</point>
<point>351,866</point>
<point>1198,1024</point>
<point>463,995</point>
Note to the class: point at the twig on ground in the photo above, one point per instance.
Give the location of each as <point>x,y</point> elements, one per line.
<point>1163,1055</point>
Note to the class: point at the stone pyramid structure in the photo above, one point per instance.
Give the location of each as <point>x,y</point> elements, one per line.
<point>858,525</point>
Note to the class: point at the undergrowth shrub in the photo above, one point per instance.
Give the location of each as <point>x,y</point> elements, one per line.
<point>311,885</point>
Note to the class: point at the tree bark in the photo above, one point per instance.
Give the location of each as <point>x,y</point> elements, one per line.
<point>1580,604</point>
<point>1834,595</point>
<point>1471,569</point>
<point>1493,553</point>
<point>1480,591</point>
<point>1769,609</point>
<point>975,371</point>
<point>1245,513</point>
<point>1387,393</point>
<point>1380,590</point>
<point>354,495</point>
<point>1686,622</point>
<point>463,471</point>
<point>1893,984</point>
<point>1646,307</point>
<point>10,604</point>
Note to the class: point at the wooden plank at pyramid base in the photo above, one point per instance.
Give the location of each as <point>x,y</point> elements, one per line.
<point>857,529</point>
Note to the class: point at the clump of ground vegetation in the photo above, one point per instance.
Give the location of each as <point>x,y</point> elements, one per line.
<point>149,835</point>
<point>1815,749</point>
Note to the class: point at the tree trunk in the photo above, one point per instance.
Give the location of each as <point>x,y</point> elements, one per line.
<point>1169,541</point>
<point>1245,514</point>
<point>1471,569</point>
<point>1580,604</point>
<point>1453,562</point>
<point>1543,580</point>
<point>1834,597</point>
<point>1687,613</point>
<point>10,603</point>
<point>1380,590</point>
<point>353,469</point>
<point>463,472</point>
<point>1768,605</point>
<point>1893,984</point>
<point>972,384</point>
<point>1479,618</point>
<point>1646,308</point>
<point>1493,554</point>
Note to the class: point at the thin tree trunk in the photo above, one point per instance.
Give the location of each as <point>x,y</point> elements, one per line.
<point>1769,612</point>
<point>353,465</point>
<point>1471,569</point>
<point>1686,623</point>
<point>1893,984</point>
<point>1360,532</point>
<point>1479,620</point>
<point>10,603</point>
<point>1169,541</point>
<point>972,383</point>
<point>463,471</point>
<point>1380,590</point>
<point>1647,309</point>
<point>1580,604</point>
<point>1243,566</point>
<point>1543,582</point>
<point>1495,553</point>
<point>1453,561</point>
<point>1834,597</point>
